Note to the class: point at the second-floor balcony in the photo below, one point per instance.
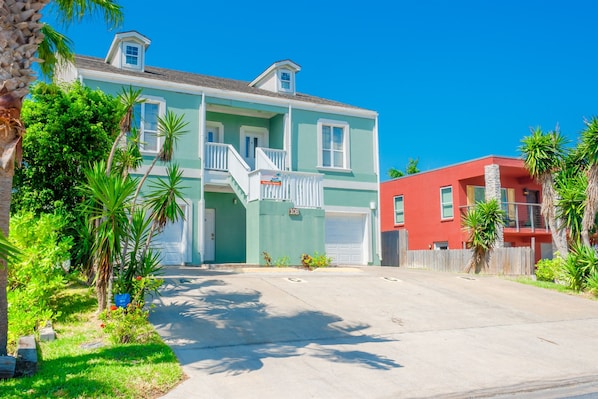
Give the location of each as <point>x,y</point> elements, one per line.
<point>270,180</point>
<point>521,217</point>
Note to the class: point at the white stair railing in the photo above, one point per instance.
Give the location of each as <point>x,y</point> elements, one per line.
<point>238,169</point>
<point>276,157</point>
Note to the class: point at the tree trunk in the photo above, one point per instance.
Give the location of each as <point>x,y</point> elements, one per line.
<point>20,36</point>
<point>557,227</point>
<point>591,205</point>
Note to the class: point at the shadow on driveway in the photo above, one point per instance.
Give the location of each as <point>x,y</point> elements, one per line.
<point>219,328</point>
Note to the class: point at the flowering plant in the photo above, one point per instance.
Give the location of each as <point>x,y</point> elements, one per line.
<point>143,285</point>
<point>126,325</point>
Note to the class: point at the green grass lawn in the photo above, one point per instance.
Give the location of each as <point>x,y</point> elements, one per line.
<point>82,363</point>
<point>552,286</point>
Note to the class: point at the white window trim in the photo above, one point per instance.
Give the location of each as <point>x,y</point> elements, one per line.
<point>124,63</point>
<point>395,209</point>
<point>442,217</point>
<point>161,111</point>
<point>291,88</point>
<point>346,144</point>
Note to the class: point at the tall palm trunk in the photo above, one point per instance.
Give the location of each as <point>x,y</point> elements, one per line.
<point>5,181</point>
<point>20,36</point>
<point>549,199</point>
<point>591,205</point>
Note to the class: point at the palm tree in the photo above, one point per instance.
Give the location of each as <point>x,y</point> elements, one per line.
<point>107,199</point>
<point>483,223</point>
<point>21,35</point>
<point>128,98</point>
<point>170,128</point>
<point>543,154</point>
<point>162,201</point>
<point>589,150</point>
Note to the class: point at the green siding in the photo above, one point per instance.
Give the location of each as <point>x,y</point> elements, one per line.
<point>230,227</point>
<point>244,105</point>
<point>187,150</point>
<point>270,228</point>
<point>305,145</point>
<point>232,127</point>
<point>353,198</point>
<point>277,132</point>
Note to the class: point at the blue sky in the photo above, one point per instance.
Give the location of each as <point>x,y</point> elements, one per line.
<point>451,80</point>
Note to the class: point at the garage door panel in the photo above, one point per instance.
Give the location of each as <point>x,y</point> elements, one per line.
<point>171,243</point>
<point>345,238</point>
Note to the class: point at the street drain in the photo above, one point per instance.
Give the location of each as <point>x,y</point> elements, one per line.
<point>467,278</point>
<point>392,279</point>
<point>294,280</point>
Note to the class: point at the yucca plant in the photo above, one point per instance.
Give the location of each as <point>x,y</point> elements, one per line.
<point>580,265</point>
<point>482,222</point>
<point>543,155</point>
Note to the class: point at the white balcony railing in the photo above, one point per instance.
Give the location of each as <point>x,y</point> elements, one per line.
<point>216,156</point>
<point>304,190</point>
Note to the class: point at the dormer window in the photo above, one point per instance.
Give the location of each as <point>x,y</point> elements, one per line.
<point>127,51</point>
<point>132,54</point>
<point>278,78</point>
<point>285,79</point>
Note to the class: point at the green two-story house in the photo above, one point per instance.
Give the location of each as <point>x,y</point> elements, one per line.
<point>266,168</point>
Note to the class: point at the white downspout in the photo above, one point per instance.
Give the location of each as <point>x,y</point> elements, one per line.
<point>288,138</point>
<point>202,205</point>
<point>377,234</point>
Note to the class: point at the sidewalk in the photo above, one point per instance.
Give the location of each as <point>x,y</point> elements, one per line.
<point>371,332</point>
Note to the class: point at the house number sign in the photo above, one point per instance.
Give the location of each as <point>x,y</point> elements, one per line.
<point>294,211</point>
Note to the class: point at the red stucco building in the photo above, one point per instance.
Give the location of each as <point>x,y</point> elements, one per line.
<point>429,204</point>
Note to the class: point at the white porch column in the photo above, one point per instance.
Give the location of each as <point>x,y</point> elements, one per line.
<point>378,233</point>
<point>288,127</point>
<point>202,205</point>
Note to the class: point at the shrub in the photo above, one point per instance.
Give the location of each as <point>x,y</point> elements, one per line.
<point>592,284</point>
<point>126,325</point>
<point>549,269</point>
<point>36,276</point>
<point>580,265</point>
<point>282,262</point>
<point>267,259</point>
<point>316,260</point>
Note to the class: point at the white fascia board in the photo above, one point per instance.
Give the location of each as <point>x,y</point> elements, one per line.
<point>224,94</point>
<point>350,185</point>
<point>162,171</point>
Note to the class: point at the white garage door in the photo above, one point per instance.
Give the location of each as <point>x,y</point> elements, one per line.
<point>345,236</point>
<point>172,243</point>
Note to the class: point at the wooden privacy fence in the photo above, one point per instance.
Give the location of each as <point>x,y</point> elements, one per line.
<point>507,261</point>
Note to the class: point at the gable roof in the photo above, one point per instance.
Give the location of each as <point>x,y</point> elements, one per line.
<point>199,80</point>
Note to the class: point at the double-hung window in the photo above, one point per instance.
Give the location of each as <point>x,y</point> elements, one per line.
<point>446,202</point>
<point>131,56</point>
<point>146,121</point>
<point>285,79</point>
<point>333,143</point>
<point>399,210</point>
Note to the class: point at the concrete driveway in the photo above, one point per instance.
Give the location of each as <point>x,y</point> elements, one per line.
<point>372,332</point>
